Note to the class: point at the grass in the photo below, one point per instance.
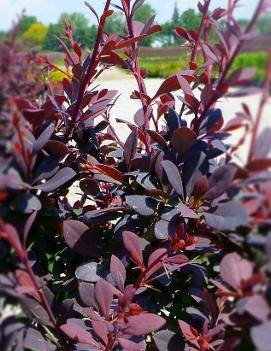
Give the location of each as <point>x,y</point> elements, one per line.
<point>162,67</point>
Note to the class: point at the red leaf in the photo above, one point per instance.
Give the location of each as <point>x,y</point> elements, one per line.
<point>181,32</point>
<point>157,137</point>
<point>173,83</point>
<point>183,139</point>
<point>109,171</point>
<point>259,165</point>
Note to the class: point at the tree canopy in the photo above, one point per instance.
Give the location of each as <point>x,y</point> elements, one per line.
<point>35,35</point>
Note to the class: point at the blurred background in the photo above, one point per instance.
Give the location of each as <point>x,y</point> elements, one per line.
<point>41,21</point>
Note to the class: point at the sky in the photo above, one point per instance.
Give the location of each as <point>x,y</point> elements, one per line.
<point>48,11</point>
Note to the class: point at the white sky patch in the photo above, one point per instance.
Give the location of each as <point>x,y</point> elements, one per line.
<point>49,11</point>
<point>44,10</point>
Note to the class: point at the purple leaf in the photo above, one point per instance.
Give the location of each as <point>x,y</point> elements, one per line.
<point>132,244</point>
<point>78,334</point>
<point>255,305</point>
<point>260,336</point>
<point>28,225</point>
<point>174,176</point>
<point>36,342</point>
<point>189,333</point>
<point>92,10</point>
<point>263,145</point>
<point>139,118</point>
<point>43,138</point>
<point>61,177</point>
<point>86,292</point>
<point>129,345</point>
<point>28,203</point>
<point>155,261</point>
<point>79,238</point>
<point>100,330</point>
<point>103,296</point>
<point>143,205</point>
<point>227,216</point>
<point>130,147</point>
<point>220,181</point>
<point>268,245</point>
<point>143,324</point>
<point>213,118</point>
<point>234,270</point>
<point>166,340</point>
<point>241,76</point>
<point>89,272</point>
<point>118,272</point>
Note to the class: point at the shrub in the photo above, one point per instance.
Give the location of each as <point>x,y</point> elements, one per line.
<point>168,247</point>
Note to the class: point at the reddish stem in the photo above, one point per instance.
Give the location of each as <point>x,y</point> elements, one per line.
<point>227,67</point>
<point>90,72</point>
<point>201,27</point>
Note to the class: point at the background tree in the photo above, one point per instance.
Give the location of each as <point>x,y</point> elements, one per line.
<point>83,33</point>
<point>50,42</point>
<point>26,22</point>
<point>35,35</point>
<point>115,23</point>
<point>143,14</point>
<point>264,25</point>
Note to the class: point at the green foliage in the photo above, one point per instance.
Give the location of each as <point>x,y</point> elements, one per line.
<point>26,22</point>
<point>83,33</point>
<point>115,23</point>
<point>163,67</point>
<point>3,35</point>
<point>35,35</point>
<point>264,25</point>
<point>50,43</point>
<point>253,59</point>
<point>189,20</point>
<point>143,14</point>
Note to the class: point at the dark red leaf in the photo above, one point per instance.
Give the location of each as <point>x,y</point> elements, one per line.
<point>173,83</point>
<point>183,139</point>
<point>61,177</point>
<point>79,238</point>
